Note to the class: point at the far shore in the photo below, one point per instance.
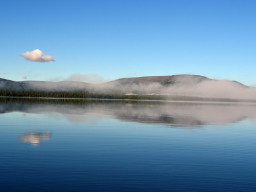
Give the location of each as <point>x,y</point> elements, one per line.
<point>167,100</point>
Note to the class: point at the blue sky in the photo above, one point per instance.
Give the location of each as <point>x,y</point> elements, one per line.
<point>127,38</point>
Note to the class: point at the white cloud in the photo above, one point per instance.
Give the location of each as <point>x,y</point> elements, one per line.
<point>37,56</point>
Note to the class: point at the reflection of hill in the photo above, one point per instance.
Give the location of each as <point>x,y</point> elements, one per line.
<point>188,114</point>
<point>172,114</point>
<point>174,121</point>
<point>35,137</point>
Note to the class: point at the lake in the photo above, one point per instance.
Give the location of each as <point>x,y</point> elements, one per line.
<point>73,145</point>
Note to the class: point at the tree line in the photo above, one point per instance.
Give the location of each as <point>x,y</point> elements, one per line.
<point>82,95</point>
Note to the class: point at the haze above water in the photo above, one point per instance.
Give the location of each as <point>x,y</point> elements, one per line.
<point>121,146</point>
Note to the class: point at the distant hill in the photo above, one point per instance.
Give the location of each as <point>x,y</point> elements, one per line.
<point>174,80</point>
<point>11,85</point>
<point>185,85</point>
<point>163,80</point>
<point>57,86</point>
<point>175,85</point>
<point>42,85</point>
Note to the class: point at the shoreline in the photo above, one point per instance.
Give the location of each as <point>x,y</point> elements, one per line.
<point>202,101</point>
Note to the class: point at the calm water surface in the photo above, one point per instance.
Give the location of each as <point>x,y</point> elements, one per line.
<point>109,146</point>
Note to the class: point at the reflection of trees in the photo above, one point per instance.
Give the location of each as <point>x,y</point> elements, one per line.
<point>35,137</point>
<point>172,114</point>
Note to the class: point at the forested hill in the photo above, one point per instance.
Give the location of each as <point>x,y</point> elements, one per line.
<point>175,85</point>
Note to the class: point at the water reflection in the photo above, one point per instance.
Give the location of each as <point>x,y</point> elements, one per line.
<point>172,114</point>
<point>35,137</point>
<point>123,156</point>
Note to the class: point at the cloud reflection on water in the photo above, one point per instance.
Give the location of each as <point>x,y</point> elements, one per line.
<point>35,137</point>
